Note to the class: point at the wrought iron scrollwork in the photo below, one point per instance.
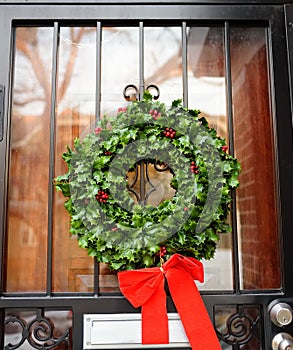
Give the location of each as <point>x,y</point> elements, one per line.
<point>239,329</point>
<point>152,87</point>
<point>141,172</point>
<point>38,332</point>
<point>131,93</point>
<point>239,325</point>
<point>161,167</point>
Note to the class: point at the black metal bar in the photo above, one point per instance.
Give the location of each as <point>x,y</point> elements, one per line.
<point>90,3</point>
<point>96,277</point>
<point>52,155</point>
<point>142,165</point>
<point>236,272</point>
<point>149,181</point>
<point>6,62</point>
<point>98,112</point>
<point>2,334</point>
<point>105,304</point>
<point>282,68</point>
<point>137,12</point>
<point>2,97</point>
<point>141,60</point>
<point>98,69</point>
<point>184,65</point>
<point>130,186</point>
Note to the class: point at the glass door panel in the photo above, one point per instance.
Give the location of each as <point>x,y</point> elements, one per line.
<point>122,63</point>
<point>207,92</point>
<point>29,162</point>
<point>119,66</point>
<point>163,61</point>
<point>76,96</point>
<point>253,125</point>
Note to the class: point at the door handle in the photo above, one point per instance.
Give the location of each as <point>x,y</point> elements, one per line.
<point>2,96</point>
<point>281,314</point>
<point>282,341</point>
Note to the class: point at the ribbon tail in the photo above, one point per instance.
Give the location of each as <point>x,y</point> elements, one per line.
<point>155,318</point>
<point>193,314</point>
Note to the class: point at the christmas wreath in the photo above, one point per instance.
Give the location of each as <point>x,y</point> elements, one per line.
<point>128,235</point>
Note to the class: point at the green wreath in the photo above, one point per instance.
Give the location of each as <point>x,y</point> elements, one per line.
<point>106,219</point>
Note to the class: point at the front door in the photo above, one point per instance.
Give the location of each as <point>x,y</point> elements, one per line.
<point>64,66</point>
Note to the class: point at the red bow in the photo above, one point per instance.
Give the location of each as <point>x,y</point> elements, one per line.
<point>145,287</point>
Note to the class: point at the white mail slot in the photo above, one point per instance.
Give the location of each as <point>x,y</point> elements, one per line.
<point>123,331</point>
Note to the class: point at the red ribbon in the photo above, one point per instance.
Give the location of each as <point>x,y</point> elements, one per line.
<point>145,288</point>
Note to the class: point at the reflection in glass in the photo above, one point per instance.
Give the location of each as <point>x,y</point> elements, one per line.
<point>119,66</point>
<point>156,185</point>
<point>163,61</point>
<point>206,75</point>
<point>30,125</point>
<point>29,162</point>
<point>206,92</point>
<point>72,267</point>
<point>256,196</point>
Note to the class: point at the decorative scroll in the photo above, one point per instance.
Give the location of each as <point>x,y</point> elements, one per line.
<point>39,332</point>
<point>143,177</point>
<point>239,325</point>
<point>130,92</point>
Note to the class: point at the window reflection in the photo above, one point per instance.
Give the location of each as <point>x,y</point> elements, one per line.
<point>256,196</point>
<point>72,267</point>
<point>120,66</point>
<point>28,190</point>
<point>207,92</point>
<point>163,61</point>
<point>29,163</point>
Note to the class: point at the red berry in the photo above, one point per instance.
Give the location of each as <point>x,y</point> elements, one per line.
<point>102,196</point>
<point>98,130</point>
<point>162,251</point>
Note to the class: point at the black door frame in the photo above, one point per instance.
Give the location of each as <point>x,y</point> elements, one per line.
<point>274,15</point>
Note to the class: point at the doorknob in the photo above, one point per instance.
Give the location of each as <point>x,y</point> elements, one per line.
<point>281,314</point>
<point>282,341</point>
